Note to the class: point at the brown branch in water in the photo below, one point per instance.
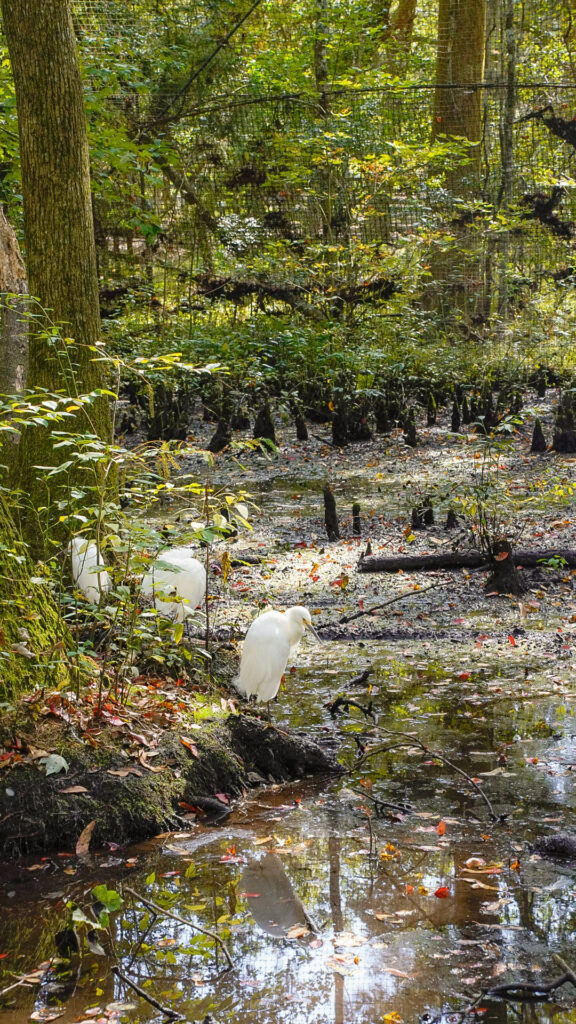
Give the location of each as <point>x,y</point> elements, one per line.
<point>362,678</point>
<point>522,991</point>
<point>176,917</point>
<point>409,741</point>
<point>562,963</point>
<point>461,560</point>
<point>346,703</point>
<point>171,1014</point>
<point>377,607</point>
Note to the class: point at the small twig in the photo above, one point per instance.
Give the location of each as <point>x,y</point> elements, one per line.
<point>16,984</point>
<point>369,820</point>
<point>391,600</point>
<point>562,963</point>
<point>172,1014</point>
<point>176,917</point>
<point>410,741</point>
<point>378,803</point>
<point>142,937</point>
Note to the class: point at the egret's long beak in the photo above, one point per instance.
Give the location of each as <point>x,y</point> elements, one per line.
<point>313,631</point>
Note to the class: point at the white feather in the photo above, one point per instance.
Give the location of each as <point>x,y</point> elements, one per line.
<point>177,582</point>
<point>85,557</point>
<point>270,642</point>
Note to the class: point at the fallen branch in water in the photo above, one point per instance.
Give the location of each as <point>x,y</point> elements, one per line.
<point>346,702</point>
<point>391,600</point>
<point>407,740</point>
<point>362,678</point>
<point>461,560</point>
<point>171,1014</point>
<point>176,917</point>
<point>520,991</point>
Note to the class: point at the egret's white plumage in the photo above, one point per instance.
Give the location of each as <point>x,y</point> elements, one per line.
<point>85,558</point>
<point>270,642</point>
<point>177,582</point>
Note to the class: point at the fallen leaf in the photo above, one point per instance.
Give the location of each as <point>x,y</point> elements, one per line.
<point>83,844</point>
<point>297,931</point>
<point>190,745</point>
<point>443,892</point>
<point>441,828</point>
<point>74,789</point>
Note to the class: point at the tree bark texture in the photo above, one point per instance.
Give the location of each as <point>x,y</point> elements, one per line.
<point>58,225</point>
<point>13,321</point>
<point>460,64</point>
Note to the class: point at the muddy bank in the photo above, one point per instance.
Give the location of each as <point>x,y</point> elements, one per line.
<point>186,775</point>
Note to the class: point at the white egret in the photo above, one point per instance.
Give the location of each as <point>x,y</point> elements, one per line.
<point>270,641</point>
<point>177,582</point>
<point>86,576</point>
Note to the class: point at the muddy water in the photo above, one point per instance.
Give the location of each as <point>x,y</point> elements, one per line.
<point>394,893</point>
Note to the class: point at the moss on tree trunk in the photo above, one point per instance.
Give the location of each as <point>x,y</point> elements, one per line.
<point>33,637</point>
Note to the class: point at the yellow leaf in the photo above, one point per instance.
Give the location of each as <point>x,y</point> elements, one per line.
<point>392,1018</point>
<point>226,564</point>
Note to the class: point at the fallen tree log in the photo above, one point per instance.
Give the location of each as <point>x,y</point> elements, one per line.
<point>461,560</point>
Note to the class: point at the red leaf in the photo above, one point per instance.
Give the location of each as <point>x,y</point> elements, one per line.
<point>222,797</point>
<point>441,828</point>
<point>512,640</point>
<point>464,676</point>
<point>442,892</point>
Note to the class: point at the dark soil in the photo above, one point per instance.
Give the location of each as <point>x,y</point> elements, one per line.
<point>40,812</point>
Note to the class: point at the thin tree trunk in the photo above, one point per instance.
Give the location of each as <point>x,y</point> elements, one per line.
<point>13,305</point>
<point>58,224</point>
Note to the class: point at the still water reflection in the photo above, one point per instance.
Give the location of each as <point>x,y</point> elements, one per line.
<point>331,912</point>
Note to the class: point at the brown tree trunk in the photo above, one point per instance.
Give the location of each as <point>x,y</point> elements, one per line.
<point>58,225</point>
<point>13,322</point>
<point>459,70</point>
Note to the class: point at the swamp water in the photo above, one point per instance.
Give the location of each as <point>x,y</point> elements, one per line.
<point>419,919</point>
<point>393,893</point>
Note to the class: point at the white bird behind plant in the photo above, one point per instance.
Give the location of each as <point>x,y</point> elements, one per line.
<point>176,582</point>
<point>270,642</point>
<point>85,558</point>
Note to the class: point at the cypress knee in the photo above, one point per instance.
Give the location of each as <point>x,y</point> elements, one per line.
<point>504,578</point>
<point>538,439</point>
<point>330,514</point>
<point>264,426</point>
<point>221,437</point>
